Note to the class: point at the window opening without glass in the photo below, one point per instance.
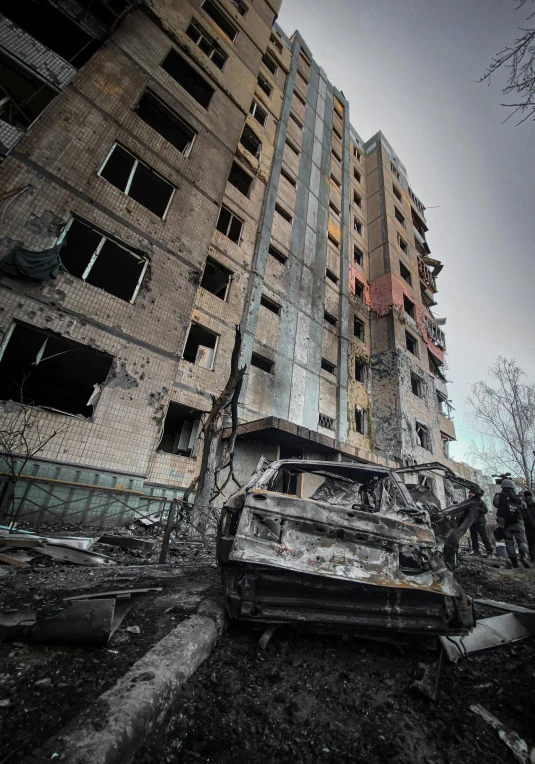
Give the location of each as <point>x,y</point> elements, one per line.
<point>200,346</point>
<point>168,124</point>
<point>216,278</point>
<point>229,225</point>
<point>188,78</point>
<point>180,430</point>
<point>206,43</point>
<point>217,15</point>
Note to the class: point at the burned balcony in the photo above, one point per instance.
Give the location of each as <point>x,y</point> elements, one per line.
<point>435,333</point>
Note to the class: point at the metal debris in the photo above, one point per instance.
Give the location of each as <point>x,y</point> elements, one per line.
<point>64,553</point>
<point>513,741</point>
<point>509,607</point>
<point>489,632</point>
<point>127,542</point>
<point>428,684</point>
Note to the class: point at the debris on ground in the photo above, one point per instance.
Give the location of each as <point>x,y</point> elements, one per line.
<point>511,739</point>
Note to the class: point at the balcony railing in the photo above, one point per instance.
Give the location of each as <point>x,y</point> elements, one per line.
<point>417,203</point>
<point>435,333</point>
<point>426,275</point>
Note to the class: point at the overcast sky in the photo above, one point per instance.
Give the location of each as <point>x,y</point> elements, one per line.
<point>409,68</point>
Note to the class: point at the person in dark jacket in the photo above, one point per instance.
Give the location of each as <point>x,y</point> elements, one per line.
<point>528,513</point>
<point>509,517</point>
<point>479,527</point>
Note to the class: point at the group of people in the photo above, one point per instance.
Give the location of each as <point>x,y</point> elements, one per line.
<point>515,515</point>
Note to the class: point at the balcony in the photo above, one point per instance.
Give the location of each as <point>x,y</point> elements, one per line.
<point>435,333</point>
<point>426,275</point>
<point>417,203</point>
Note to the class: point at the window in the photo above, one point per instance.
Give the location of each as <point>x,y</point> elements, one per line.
<point>270,305</point>
<point>258,113</point>
<point>394,170</point>
<point>328,366</point>
<point>408,306</point>
<point>357,225</point>
<point>300,74</point>
<point>397,192</point>
<point>442,404</point>
<point>337,132</point>
<point>206,43</point>
<point>417,386</point>
<point>138,180</point>
<point>336,155</point>
<point>357,175</point>
<point>270,63</point>
<point>402,244</point>
<point>261,362</point>
<point>273,40</point>
<point>188,78</point>
<point>293,147</point>
<point>422,434</point>
<point>335,180</point>
<point>286,175</point>
<point>399,217</point>
<point>264,85</point>
<point>180,430</point>
<point>332,320</point>
<point>200,346</point>
<point>334,209</point>
<point>240,179</point>
<point>358,255</point>
<point>240,7</point>
<point>277,254</point>
<point>39,368</point>
<point>216,279</point>
<point>358,328</point>
<point>297,121</point>
<point>229,225</point>
<point>300,98</point>
<point>93,257</point>
<point>361,421</point>
<point>333,240</point>
<point>359,290</point>
<point>360,371</point>
<point>220,19</point>
<point>357,199</point>
<point>168,124</point>
<point>445,440</point>
<point>405,273</point>
<point>331,276</point>
<point>326,421</point>
<point>283,213</point>
<point>435,366</point>
<point>411,344</point>
<point>23,97</point>
<point>250,141</point>
<point>356,153</point>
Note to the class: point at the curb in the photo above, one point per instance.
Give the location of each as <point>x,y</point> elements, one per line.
<point>112,728</point>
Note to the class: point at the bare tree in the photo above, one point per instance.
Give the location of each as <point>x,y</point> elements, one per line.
<point>505,410</point>
<point>518,60</point>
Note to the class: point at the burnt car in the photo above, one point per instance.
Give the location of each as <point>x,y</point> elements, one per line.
<point>341,546</point>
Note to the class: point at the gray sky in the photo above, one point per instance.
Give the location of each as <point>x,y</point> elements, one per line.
<point>409,68</point>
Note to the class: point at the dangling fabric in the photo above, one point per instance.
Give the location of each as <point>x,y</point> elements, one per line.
<point>38,266</point>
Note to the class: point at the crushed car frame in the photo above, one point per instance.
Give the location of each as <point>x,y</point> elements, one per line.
<point>344,546</point>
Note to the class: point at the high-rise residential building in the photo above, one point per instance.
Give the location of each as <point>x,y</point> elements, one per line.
<point>171,170</point>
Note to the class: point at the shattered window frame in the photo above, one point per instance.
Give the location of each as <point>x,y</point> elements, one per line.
<point>177,410</point>
<point>206,43</point>
<point>422,435</point>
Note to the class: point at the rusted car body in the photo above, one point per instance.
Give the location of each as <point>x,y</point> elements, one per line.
<point>341,546</point>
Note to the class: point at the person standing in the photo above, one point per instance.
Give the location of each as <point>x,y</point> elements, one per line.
<point>509,517</point>
<point>479,527</point>
<point>528,513</point>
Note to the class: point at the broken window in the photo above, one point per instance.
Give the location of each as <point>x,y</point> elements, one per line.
<point>445,440</point>
<point>206,43</point>
<point>408,306</point>
<point>399,217</point>
<point>442,403</point>
<point>357,225</point>
<point>337,132</point>
<point>273,40</point>
<point>405,273</point>
<point>277,254</point>
<point>180,430</point>
<point>357,199</point>
<point>270,63</point>
<point>361,420</point>
<point>229,225</point>
<point>200,346</point>
<point>217,15</point>
<point>360,371</point>
<point>336,155</point>
<point>422,433</point>
<point>332,320</point>
<point>356,153</point>
<point>358,255</point>
<point>283,213</point>
<point>188,78</point>
<point>240,179</point>
<point>240,7</point>
<point>417,385</point>
<point>333,240</point>
<point>397,192</point>
<point>138,180</point>
<point>331,276</point>
<point>402,244</point>
<point>334,209</point>
<point>39,368</point>
<point>359,290</point>
<point>264,85</point>
<point>326,421</point>
<point>300,74</point>
<point>216,278</point>
<point>258,113</point>
<point>23,96</point>
<point>292,147</point>
<point>271,305</point>
<point>261,362</point>
<point>288,177</point>
<point>250,141</point>
<point>328,366</point>
<point>436,366</point>
<point>297,121</point>
<point>47,24</point>
<point>300,98</point>
<point>335,180</point>
<point>94,257</point>
<point>165,122</point>
<point>358,328</point>
<point>357,175</point>
<point>394,170</point>
<point>411,344</point>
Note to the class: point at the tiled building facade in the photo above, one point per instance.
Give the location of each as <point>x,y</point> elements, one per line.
<point>200,171</point>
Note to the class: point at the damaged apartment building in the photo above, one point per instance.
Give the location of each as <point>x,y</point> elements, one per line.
<point>172,169</point>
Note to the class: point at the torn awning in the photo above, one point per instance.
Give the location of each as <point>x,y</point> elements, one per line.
<point>38,266</point>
